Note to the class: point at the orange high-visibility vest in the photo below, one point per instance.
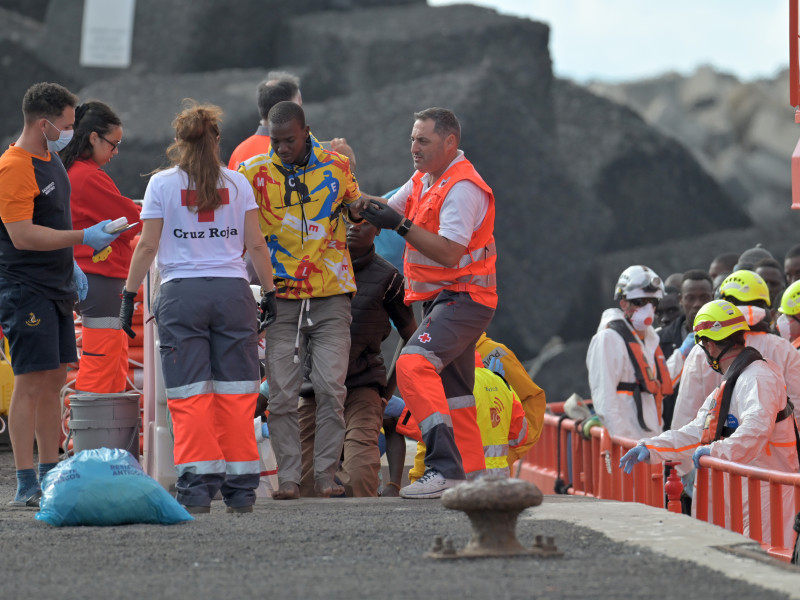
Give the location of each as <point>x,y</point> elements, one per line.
<point>658,384</point>
<point>475,272</point>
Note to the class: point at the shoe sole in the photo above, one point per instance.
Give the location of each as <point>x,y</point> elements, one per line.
<point>32,502</point>
<point>423,496</point>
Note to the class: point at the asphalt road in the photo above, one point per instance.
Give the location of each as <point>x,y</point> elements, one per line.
<point>371,548</point>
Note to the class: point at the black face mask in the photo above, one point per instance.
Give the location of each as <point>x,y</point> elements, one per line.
<point>714,362</point>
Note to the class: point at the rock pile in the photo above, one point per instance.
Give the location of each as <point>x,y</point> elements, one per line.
<point>742,132</point>
<point>584,186</point>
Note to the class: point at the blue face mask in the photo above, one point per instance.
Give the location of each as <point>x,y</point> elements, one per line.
<point>64,138</point>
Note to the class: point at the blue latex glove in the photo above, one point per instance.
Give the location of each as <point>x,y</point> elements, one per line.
<point>98,239</point>
<point>687,345</point>
<point>635,455</point>
<point>81,283</point>
<point>394,407</point>
<point>701,451</point>
<point>264,388</point>
<point>496,365</point>
<point>264,430</point>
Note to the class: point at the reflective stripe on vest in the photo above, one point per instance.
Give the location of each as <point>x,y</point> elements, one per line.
<point>476,269</point>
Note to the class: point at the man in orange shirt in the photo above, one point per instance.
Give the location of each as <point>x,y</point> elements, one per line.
<point>278,87</point>
<point>39,278</point>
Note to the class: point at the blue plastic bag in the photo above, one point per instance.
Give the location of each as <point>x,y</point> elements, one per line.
<point>105,486</point>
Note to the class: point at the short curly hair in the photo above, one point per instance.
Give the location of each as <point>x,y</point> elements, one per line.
<point>45,100</point>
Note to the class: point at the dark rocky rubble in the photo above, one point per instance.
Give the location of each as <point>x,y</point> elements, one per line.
<point>584,185</point>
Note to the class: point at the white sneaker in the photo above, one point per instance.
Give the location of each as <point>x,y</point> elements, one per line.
<point>431,485</point>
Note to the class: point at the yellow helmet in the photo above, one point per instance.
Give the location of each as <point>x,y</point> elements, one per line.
<point>717,320</point>
<point>745,286</point>
<point>790,303</point>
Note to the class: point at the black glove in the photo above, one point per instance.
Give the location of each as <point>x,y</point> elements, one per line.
<point>381,215</point>
<point>126,312</point>
<point>269,309</point>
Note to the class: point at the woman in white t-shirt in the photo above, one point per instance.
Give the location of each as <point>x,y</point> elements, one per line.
<point>200,217</point>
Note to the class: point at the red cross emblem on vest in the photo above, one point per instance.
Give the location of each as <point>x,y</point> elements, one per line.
<point>189,198</point>
<point>424,338</point>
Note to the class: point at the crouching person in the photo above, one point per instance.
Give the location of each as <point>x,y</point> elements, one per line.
<point>747,419</point>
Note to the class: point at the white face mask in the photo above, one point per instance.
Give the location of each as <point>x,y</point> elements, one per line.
<point>642,318</point>
<point>753,314</point>
<point>64,138</point>
<point>784,324</point>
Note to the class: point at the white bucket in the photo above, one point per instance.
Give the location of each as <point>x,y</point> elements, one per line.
<point>105,421</point>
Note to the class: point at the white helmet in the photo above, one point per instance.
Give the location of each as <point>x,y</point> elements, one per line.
<point>638,281</point>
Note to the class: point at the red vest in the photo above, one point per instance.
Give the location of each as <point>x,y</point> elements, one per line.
<point>475,272</point>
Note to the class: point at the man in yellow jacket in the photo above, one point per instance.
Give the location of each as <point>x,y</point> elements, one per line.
<point>528,393</point>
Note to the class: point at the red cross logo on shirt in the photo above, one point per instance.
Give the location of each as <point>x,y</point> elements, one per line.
<point>424,338</point>
<point>189,198</point>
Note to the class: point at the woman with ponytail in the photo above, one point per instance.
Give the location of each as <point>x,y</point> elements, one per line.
<point>95,197</point>
<point>200,217</point>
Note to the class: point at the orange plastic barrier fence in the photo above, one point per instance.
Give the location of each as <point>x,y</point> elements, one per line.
<point>727,500</point>
<point>562,461</point>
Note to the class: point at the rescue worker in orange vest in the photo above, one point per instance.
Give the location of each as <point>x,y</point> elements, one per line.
<point>446,213</point>
<point>501,418</point>
<point>627,372</point>
<point>747,419</point>
<point>788,323</point>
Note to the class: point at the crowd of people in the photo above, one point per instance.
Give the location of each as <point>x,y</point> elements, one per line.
<point>287,214</point>
<point>701,364</point>
<point>707,366</point>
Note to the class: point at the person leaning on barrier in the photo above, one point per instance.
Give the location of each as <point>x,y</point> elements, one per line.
<point>627,372</point>
<point>747,419</point>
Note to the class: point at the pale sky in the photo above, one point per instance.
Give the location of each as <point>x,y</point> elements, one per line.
<point>618,40</point>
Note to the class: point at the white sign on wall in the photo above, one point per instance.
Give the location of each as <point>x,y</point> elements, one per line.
<point>107,33</point>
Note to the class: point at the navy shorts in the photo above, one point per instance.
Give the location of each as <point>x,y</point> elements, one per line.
<point>41,332</point>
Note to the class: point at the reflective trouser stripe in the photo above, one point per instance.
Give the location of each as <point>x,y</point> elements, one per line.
<point>424,394</point>
<point>104,361</point>
<point>433,420</point>
<point>215,428</point>
<point>497,471</point>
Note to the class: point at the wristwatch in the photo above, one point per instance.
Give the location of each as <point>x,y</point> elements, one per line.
<point>404,226</point>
